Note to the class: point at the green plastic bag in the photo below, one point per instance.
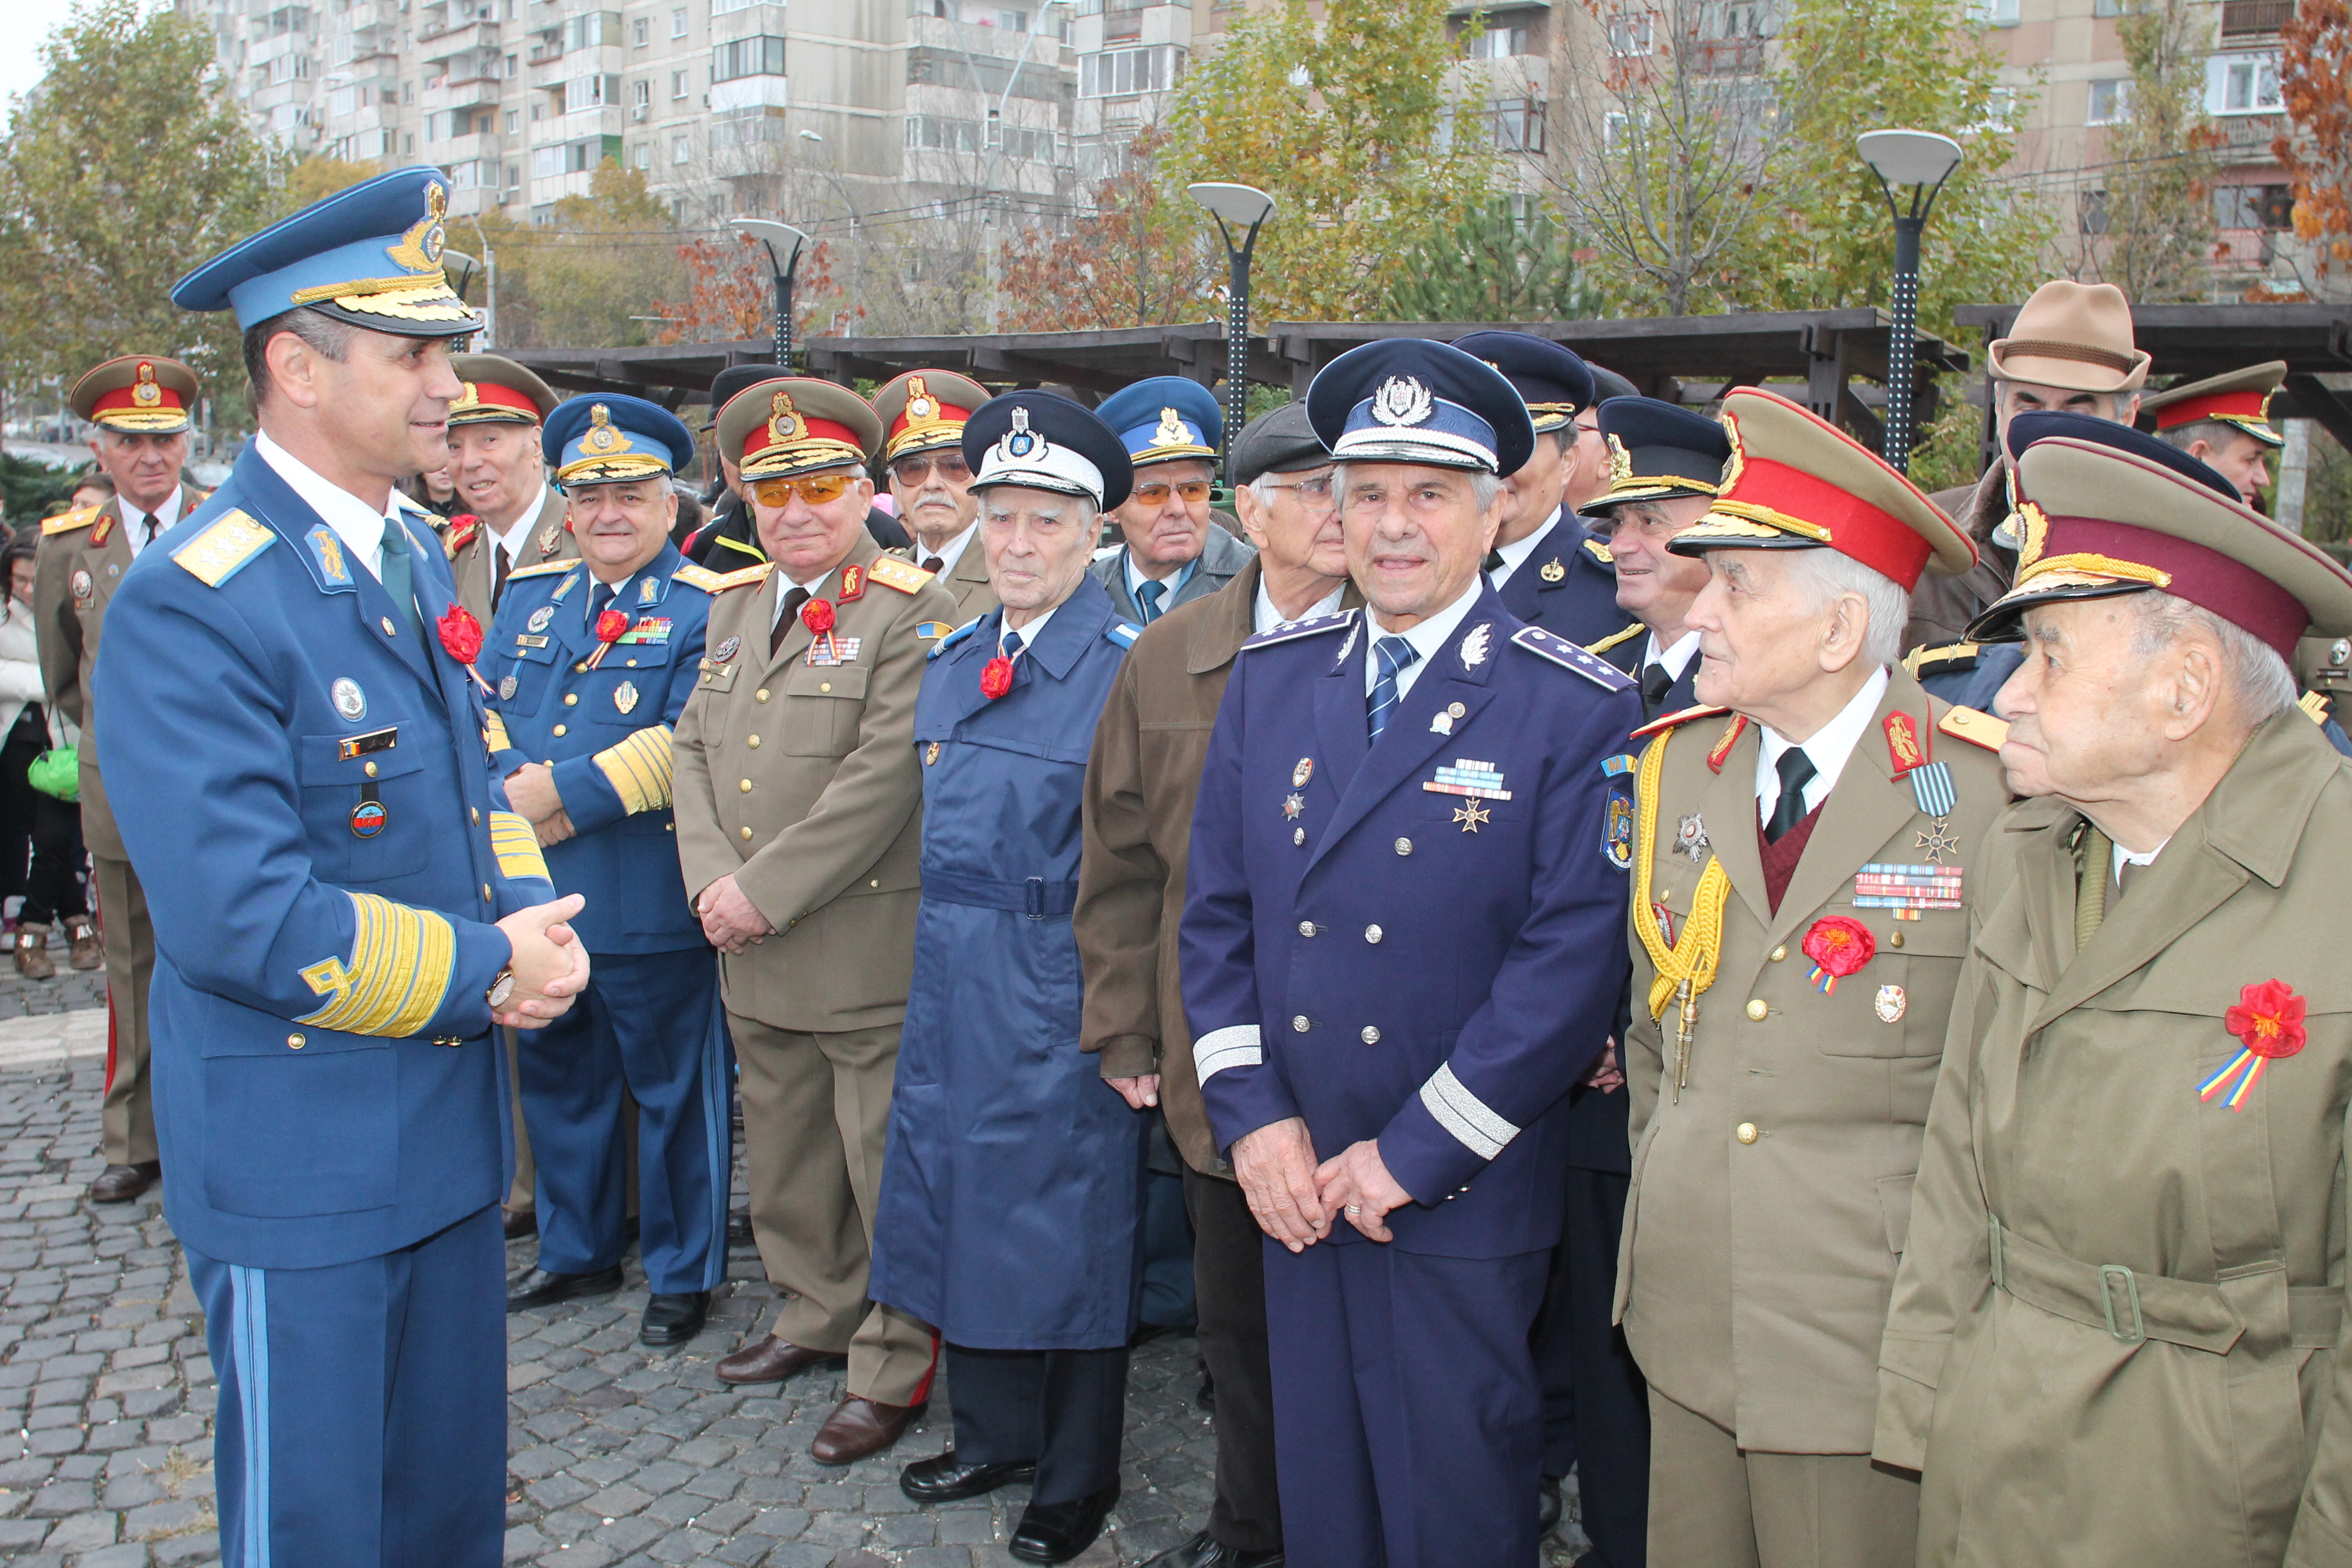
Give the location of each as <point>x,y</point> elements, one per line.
<point>57,773</point>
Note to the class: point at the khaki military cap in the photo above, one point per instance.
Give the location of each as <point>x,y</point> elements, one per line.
<point>2077,336</point>
<point>499,392</point>
<point>925,409</point>
<point>143,392</point>
<point>2240,397</point>
<point>797,424</point>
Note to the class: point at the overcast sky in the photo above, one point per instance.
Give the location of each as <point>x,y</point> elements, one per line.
<point>30,22</point>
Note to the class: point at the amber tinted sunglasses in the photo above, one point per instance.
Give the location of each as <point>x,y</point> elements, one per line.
<point>814,489</point>
<point>1155,494</point>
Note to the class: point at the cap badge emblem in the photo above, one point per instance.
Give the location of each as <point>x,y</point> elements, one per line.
<point>1402,400</point>
<point>419,250</point>
<point>602,438</point>
<point>471,397</point>
<point>144,392</point>
<point>1172,431</point>
<point>920,404</point>
<point>785,423</point>
<point>1020,440</point>
<point>1621,463</point>
<point>1739,460</point>
<point>2034,524</point>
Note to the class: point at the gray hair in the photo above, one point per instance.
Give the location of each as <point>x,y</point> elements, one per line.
<point>1088,507</point>
<point>2258,679</point>
<point>1484,486</point>
<point>2112,403</point>
<point>1828,573</point>
<point>2212,432</point>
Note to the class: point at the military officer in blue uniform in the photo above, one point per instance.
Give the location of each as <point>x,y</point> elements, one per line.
<point>1408,849</point>
<point>1012,1189</point>
<point>1550,570</point>
<point>591,661</point>
<point>297,756</point>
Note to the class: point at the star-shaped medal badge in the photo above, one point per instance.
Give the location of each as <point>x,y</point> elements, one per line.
<point>1292,804</point>
<point>1937,839</point>
<point>1471,816</point>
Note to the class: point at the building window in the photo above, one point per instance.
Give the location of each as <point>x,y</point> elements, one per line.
<point>591,92</point>
<point>641,93</point>
<point>682,150</point>
<point>408,145</point>
<point>512,116</point>
<point>2107,103</point>
<point>2092,212</point>
<point>642,157</point>
<point>1630,37</point>
<point>747,57</point>
<point>1127,70</point>
<point>1996,13</point>
<point>590,29</point>
<point>641,33</point>
<point>677,23</point>
<point>1498,41</point>
<point>574,157</point>
<point>514,68</point>
<point>677,85</point>
<point>514,175</point>
<point>1517,124</point>
<point>2242,84</point>
<point>1020,142</point>
<point>2254,206</point>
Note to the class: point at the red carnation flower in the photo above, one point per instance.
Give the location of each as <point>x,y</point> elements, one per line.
<point>996,678</point>
<point>461,634</point>
<point>817,615</point>
<point>1840,945</point>
<point>2268,1018</point>
<point>611,626</point>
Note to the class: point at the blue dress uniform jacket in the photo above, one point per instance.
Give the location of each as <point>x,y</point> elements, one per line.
<point>324,1087</point>
<point>1566,585</point>
<point>606,732</point>
<point>1446,999</point>
<point>1012,1190</point>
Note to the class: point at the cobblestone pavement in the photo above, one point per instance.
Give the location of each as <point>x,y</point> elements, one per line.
<point>619,1455</point>
<point>69,990</point>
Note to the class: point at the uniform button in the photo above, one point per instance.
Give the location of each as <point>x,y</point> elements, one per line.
<point>747,836</point>
<point>1757,1009</point>
<point>825,686</point>
<point>874,883</point>
<point>1404,846</point>
<point>296,1042</point>
<point>1298,1024</point>
<point>1746,1133</point>
<point>633,664</point>
<point>744,785</point>
<point>571,700</point>
<point>580,668</point>
<point>761,695</point>
<point>559,728</point>
<point>1306,928</point>
<point>1299,835</point>
<point>369,769</point>
<point>1370,1035</point>
<point>752,742</point>
<point>1779,953</point>
<point>1895,939</point>
<point>1373,933</point>
<point>486,892</point>
<point>478,815</point>
<point>386,621</point>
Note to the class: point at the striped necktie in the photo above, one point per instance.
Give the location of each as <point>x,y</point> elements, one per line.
<point>1395,653</point>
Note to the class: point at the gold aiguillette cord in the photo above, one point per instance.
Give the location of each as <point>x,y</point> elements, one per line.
<point>1686,967</point>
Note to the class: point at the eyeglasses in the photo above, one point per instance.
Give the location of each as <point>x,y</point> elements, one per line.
<point>912,472</point>
<point>1315,491</point>
<point>814,489</point>
<point>1157,494</point>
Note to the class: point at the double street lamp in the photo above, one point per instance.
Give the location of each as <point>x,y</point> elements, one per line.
<point>1922,161</point>
<point>1245,207</point>
<point>784,243</point>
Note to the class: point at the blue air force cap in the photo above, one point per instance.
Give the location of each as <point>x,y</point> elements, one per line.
<point>1164,419</point>
<point>1554,382</point>
<point>2042,425</point>
<point>1044,442</point>
<point>604,439</point>
<point>1409,400</point>
<point>1657,450</point>
<point>369,254</point>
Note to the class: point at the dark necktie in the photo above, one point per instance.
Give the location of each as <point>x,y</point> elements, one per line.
<point>1011,645</point>
<point>784,619</point>
<point>1493,563</point>
<point>1146,601</point>
<point>152,526</point>
<point>398,574</point>
<point>502,566</point>
<point>1394,653</point>
<point>1796,770</point>
<point>1656,681</point>
<point>934,565</point>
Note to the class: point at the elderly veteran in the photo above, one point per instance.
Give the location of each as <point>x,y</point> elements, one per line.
<point>2223,422</point>
<point>1549,569</point>
<point>729,539</point>
<point>591,662</point>
<point>510,516</point>
<point>1011,1193</point>
<point>797,795</point>
<point>297,753</point>
<point>2117,1332</point>
<point>1799,912</point>
<point>922,414</point>
<point>139,405</point>
<point>1141,786</point>
<point>1172,551</point>
<point>1405,852</point>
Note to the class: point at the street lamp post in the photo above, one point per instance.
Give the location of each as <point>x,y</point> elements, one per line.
<point>772,234</point>
<point>1922,161</point>
<point>1247,208</point>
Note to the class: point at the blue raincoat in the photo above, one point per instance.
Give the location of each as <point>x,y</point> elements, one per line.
<point>1013,1189</point>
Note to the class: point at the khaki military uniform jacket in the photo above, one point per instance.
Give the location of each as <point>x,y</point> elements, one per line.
<point>1770,1198</point>
<point>2070,1108</point>
<point>473,551</point>
<point>1141,782</point>
<point>82,558</point>
<point>801,781</point>
<point>967,580</point>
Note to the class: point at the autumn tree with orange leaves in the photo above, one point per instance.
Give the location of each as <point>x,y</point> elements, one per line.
<point>731,293</point>
<point>1140,260</point>
<point>2315,84</point>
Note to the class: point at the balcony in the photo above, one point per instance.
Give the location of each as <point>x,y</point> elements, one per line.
<point>2247,19</point>
<point>471,92</point>
<point>466,149</point>
<point>454,41</point>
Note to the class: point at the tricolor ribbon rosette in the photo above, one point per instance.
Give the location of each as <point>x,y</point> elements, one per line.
<point>818,616</point>
<point>611,625</point>
<point>461,640</point>
<point>1838,946</point>
<point>2269,1019</point>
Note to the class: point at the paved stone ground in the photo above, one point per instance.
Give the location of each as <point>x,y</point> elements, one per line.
<point>620,1455</point>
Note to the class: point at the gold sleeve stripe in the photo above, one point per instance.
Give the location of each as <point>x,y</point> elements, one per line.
<point>399,971</point>
<point>639,769</point>
<point>494,732</point>
<point>517,847</point>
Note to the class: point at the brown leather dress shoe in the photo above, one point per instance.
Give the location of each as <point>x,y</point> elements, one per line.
<point>121,1183</point>
<point>32,952</point>
<point>858,1428</point>
<point>88,947</point>
<point>771,1360</point>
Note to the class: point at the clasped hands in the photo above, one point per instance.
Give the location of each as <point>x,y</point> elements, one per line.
<point>530,790</point>
<point>730,922</point>
<point>1294,1199</point>
<point>549,965</point>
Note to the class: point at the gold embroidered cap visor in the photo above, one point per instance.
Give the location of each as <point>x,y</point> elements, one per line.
<point>796,425</point>
<point>499,392</point>
<point>2098,522</point>
<point>139,392</point>
<point>2238,397</point>
<point>925,410</point>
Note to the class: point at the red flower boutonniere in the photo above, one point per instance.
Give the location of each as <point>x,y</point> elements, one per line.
<point>817,615</point>
<point>611,625</point>
<point>2268,1020</point>
<point>461,639</point>
<point>1838,946</point>
<point>996,678</point>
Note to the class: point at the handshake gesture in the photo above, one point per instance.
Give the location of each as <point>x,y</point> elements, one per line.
<point>549,965</point>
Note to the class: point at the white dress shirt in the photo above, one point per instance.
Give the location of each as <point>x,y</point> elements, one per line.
<point>948,553</point>
<point>2123,857</point>
<point>776,610</point>
<point>134,526</point>
<point>1829,748</point>
<point>518,532</point>
<point>358,525</point>
<point>1175,580</point>
<point>1676,658</point>
<point>1516,555</point>
<point>1428,637</point>
<point>1028,634</point>
<point>1265,618</point>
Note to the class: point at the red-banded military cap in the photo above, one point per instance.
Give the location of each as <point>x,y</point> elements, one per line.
<point>796,425</point>
<point>2103,514</point>
<point>145,393</point>
<point>499,392</point>
<point>1795,481</point>
<point>2240,398</point>
<point>925,409</point>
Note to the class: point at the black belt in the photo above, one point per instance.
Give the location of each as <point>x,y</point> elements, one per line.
<point>1033,896</point>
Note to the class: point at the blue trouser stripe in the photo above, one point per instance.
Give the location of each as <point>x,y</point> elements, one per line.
<point>250,1288</point>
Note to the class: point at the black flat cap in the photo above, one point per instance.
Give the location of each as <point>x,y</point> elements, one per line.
<point>734,379</point>
<point>1279,441</point>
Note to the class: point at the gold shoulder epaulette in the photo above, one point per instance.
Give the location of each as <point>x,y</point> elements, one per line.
<point>899,575</point>
<point>2313,706</point>
<point>458,535</point>
<point>694,576</point>
<point>1600,552</point>
<point>1930,655</point>
<point>1668,721</point>
<point>1977,729</point>
<point>67,521</point>
<point>743,577</point>
<point>220,551</point>
<point>544,569</point>
<point>1614,639</point>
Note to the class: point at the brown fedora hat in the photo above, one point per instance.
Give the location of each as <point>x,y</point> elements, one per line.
<point>2076,336</point>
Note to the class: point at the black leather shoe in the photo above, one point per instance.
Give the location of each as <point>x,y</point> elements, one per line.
<point>738,1230</point>
<point>674,1320</point>
<point>540,1288</point>
<point>1205,1551</point>
<point>520,1223</point>
<point>1207,1398</point>
<point>1057,1531</point>
<point>121,1183</point>
<point>1547,1507</point>
<point>948,1479</point>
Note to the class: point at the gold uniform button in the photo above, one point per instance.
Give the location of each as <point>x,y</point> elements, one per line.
<point>478,815</point>
<point>1757,1009</point>
<point>1404,846</point>
<point>1373,934</point>
<point>874,883</point>
<point>747,836</point>
<point>1306,928</point>
<point>486,892</point>
<point>752,742</point>
<point>825,686</point>
<point>1746,1133</point>
<point>761,695</point>
<point>1779,953</point>
<point>580,668</point>
<point>559,728</point>
<point>296,1042</point>
<point>1298,1024</point>
<point>1370,1035</point>
<point>1895,939</point>
<point>744,785</point>
<point>571,700</point>
<point>633,664</point>
<point>371,770</point>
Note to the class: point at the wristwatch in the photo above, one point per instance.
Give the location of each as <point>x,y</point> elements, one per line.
<point>501,989</point>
